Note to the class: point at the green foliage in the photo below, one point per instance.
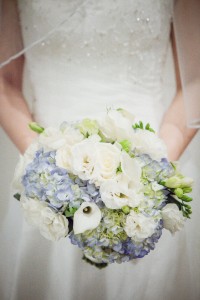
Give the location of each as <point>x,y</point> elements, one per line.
<point>70,212</point>
<point>140,125</point>
<point>126,145</point>
<point>98,266</point>
<point>36,127</point>
<point>17,196</point>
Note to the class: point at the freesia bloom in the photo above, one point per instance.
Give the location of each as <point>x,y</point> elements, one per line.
<point>87,217</point>
<point>173,219</point>
<point>179,181</point>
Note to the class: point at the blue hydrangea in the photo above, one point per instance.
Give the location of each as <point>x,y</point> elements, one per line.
<point>45,181</point>
<point>109,243</point>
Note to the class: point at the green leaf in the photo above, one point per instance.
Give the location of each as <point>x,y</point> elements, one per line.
<point>17,196</point>
<point>36,127</point>
<point>70,212</point>
<point>97,265</point>
<point>119,169</point>
<point>126,145</point>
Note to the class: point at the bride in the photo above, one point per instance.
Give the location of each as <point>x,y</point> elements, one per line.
<point>80,58</point>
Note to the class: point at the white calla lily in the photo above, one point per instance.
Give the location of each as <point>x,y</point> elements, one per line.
<point>87,217</point>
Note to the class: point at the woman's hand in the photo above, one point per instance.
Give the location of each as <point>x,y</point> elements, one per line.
<point>174,130</point>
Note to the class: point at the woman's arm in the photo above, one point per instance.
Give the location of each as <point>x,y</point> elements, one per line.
<point>14,112</point>
<point>174,130</point>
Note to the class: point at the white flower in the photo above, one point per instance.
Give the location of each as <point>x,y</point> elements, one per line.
<point>131,168</point>
<point>116,193</point>
<point>87,217</point>
<point>173,219</point>
<point>139,227</point>
<point>144,141</point>
<point>83,157</point>
<point>52,138</point>
<point>32,210</point>
<point>156,187</point>
<point>64,158</point>
<point>107,160</point>
<point>53,226</point>
<point>72,135</point>
<point>55,138</point>
<point>117,125</point>
<point>24,160</point>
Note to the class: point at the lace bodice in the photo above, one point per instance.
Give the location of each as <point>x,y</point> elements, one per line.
<point>102,53</point>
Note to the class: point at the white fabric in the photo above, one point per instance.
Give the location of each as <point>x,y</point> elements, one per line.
<point>111,54</point>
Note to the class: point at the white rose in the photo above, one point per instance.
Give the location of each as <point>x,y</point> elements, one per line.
<point>55,138</point>
<point>51,139</point>
<point>83,157</point>
<point>64,158</point>
<point>139,227</point>
<point>87,217</point>
<point>72,135</point>
<point>173,219</point>
<point>53,226</point>
<point>32,210</point>
<point>116,193</point>
<point>117,125</point>
<point>107,160</point>
<point>144,141</point>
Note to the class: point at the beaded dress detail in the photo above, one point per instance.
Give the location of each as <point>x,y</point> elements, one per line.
<point>104,54</point>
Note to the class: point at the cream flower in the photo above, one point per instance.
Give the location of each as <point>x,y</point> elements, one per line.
<point>144,141</point>
<point>173,219</point>
<point>116,193</point>
<point>87,217</point>
<point>132,169</point>
<point>117,125</point>
<point>83,157</point>
<point>51,139</point>
<point>53,226</point>
<point>32,210</point>
<point>139,227</point>
<point>106,163</point>
<point>55,138</point>
<point>64,158</point>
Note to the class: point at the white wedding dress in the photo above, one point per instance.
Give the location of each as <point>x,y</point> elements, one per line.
<point>109,53</point>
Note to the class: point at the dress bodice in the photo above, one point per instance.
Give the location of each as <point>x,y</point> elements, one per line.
<point>99,53</point>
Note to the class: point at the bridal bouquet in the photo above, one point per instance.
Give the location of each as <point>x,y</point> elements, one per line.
<point>106,184</point>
